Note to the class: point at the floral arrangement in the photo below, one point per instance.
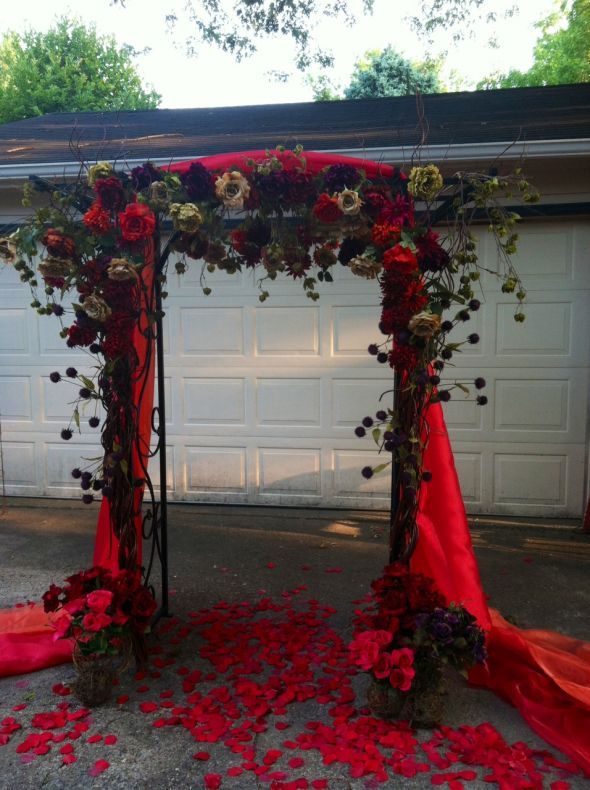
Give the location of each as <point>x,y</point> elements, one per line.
<point>101,612</point>
<point>408,633</point>
<point>98,235</point>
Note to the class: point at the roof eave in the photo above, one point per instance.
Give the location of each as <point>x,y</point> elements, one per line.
<point>463,152</point>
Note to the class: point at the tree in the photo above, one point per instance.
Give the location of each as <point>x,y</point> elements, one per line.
<point>237,26</point>
<point>561,54</point>
<point>69,68</point>
<point>382,73</point>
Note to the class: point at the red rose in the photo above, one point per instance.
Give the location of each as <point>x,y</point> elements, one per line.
<point>400,257</point>
<point>326,208</point>
<point>51,598</point>
<point>62,626</point>
<point>96,621</point>
<point>99,600</point>
<point>383,666</point>
<point>137,222</point>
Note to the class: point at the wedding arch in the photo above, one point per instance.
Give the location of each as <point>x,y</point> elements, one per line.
<point>107,239</point>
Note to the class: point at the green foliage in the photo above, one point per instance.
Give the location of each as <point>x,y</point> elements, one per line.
<point>561,55</point>
<point>382,73</point>
<point>69,68</point>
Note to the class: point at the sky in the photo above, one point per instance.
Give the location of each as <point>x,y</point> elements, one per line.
<point>213,79</point>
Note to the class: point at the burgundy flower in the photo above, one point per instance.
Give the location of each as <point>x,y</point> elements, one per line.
<point>144,175</point>
<point>110,193</point>
<point>326,208</point>
<point>341,176</point>
<point>81,335</point>
<point>349,249</point>
<point>198,182</point>
<point>431,256</point>
<point>58,245</point>
<point>137,222</point>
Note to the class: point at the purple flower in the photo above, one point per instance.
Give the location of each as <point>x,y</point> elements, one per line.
<point>144,175</point>
<point>339,177</point>
<point>198,182</point>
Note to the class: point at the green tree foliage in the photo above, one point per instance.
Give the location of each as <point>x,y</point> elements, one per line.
<point>561,55</point>
<point>67,69</point>
<point>386,73</point>
<point>238,26</point>
<point>382,73</point>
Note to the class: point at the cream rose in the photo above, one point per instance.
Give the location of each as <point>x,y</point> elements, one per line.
<point>349,202</point>
<point>121,269</point>
<point>158,194</point>
<point>96,308</point>
<point>232,189</point>
<point>365,267</point>
<point>55,267</point>
<point>425,324</point>
<point>8,249</point>
<point>185,217</point>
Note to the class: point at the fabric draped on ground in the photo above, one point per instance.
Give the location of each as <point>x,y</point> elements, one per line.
<point>545,675</point>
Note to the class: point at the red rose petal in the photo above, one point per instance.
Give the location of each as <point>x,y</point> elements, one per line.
<point>201,756</point>
<point>94,738</point>
<point>212,781</point>
<point>110,740</point>
<point>148,707</point>
<point>67,748</point>
<point>99,767</point>
<point>296,762</point>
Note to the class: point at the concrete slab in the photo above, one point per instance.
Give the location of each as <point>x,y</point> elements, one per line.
<point>536,574</point>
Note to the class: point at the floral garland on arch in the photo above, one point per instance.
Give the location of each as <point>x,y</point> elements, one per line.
<point>98,237</point>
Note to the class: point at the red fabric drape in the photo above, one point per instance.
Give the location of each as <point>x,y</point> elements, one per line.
<point>106,545</point>
<point>545,675</point>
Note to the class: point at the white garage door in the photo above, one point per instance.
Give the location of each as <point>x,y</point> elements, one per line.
<point>262,400</point>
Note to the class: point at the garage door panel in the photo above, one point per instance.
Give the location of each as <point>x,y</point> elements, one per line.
<point>207,331</point>
<point>20,468</point>
<point>287,331</point>
<point>16,399</point>
<point>290,472</point>
<point>353,330</point>
<point>15,339</point>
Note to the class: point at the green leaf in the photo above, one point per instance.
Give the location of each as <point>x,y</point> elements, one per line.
<point>462,387</point>
<point>381,467</point>
<point>76,416</point>
<point>124,466</point>
<point>87,383</point>
<point>376,434</point>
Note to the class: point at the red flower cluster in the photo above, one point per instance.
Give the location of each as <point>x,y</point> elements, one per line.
<point>59,245</point>
<point>97,219</point>
<point>99,608</point>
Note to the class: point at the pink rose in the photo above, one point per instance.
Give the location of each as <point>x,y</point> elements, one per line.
<point>383,666</point>
<point>96,621</point>
<point>99,600</point>
<point>402,674</point>
<point>74,606</point>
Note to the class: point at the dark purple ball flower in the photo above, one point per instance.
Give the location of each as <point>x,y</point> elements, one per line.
<point>367,472</point>
<point>463,315</point>
<point>438,365</point>
<point>57,309</point>
<point>86,476</point>
<point>446,353</point>
<point>76,473</point>
<point>339,177</point>
<point>434,380</point>
<point>444,396</point>
<point>381,415</point>
<point>481,400</point>
<point>479,383</point>
<point>360,431</point>
<point>427,476</point>
<point>382,357</point>
<point>473,338</point>
<point>446,326</point>
<point>97,485</point>
<point>94,348</point>
<point>66,434</point>
<point>474,304</point>
<point>367,422</point>
<point>373,349</point>
<point>94,422</point>
<point>107,491</point>
<point>71,373</point>
<point>198,182</point>
<point>85,485</point>
<point>88,499</point>
<point>389,446</point>
<point>54,377</point>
